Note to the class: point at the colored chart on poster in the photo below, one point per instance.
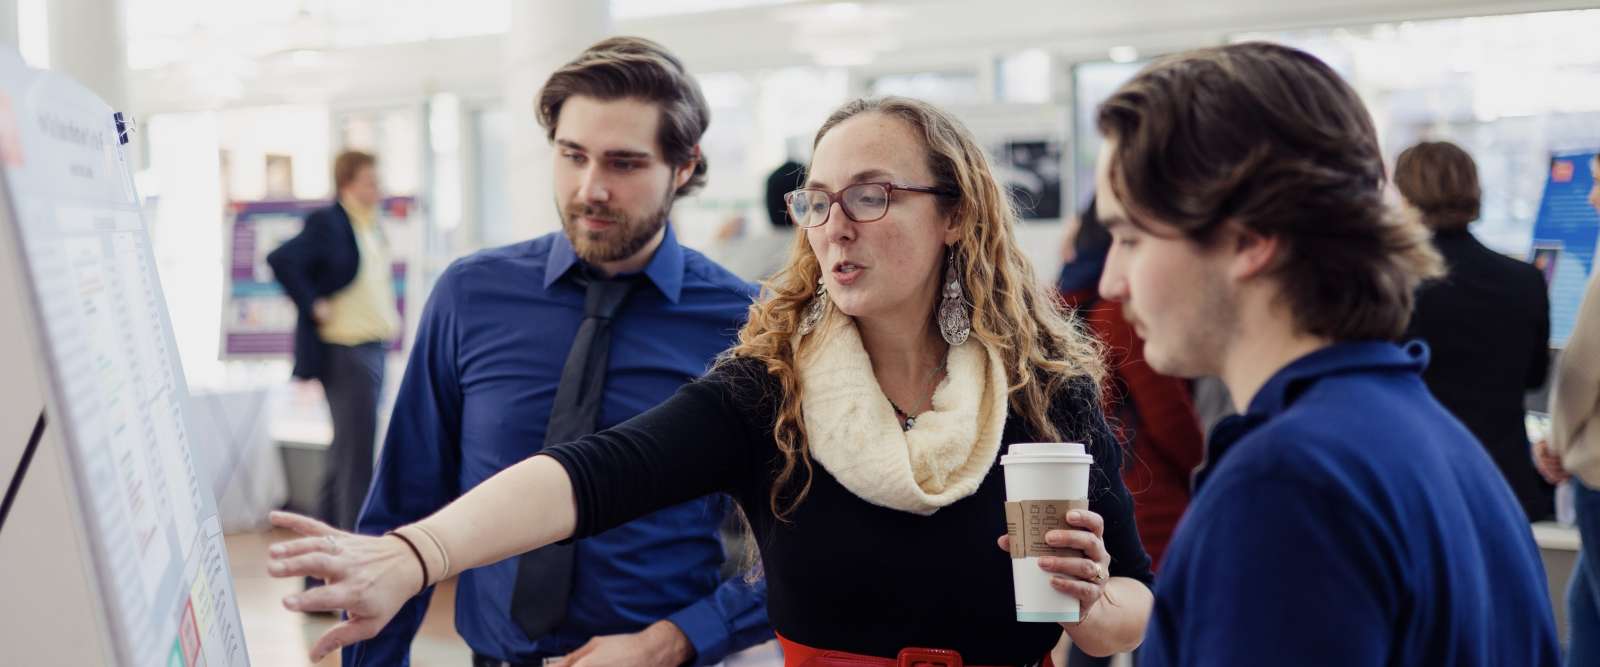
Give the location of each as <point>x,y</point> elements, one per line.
<point>1564,238</point>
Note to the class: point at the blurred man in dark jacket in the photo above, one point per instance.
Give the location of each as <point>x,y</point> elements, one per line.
<point>1487,321</point>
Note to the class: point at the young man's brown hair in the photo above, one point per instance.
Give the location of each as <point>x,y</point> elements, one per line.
<point>1441,181</point>
<point>1271,139</point>
<point>632,67</point>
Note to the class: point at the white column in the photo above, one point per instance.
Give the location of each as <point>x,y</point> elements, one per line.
<point>86,43</point>
<point>544,35</point>
<point>8,24</point>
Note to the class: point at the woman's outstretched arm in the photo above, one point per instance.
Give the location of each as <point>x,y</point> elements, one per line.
<point>371,577</point>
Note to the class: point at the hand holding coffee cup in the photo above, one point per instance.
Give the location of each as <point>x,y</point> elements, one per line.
<point>1059,563</point>
<point>1082,578</point>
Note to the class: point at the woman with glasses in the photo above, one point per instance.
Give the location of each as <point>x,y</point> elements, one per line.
<point>859,424</point>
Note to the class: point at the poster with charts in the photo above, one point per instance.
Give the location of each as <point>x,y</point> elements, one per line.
<point>1564,238</point>
<point>117,391</point>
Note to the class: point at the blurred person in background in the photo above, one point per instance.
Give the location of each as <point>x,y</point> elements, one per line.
<point>754,256</point>
<point>1486,322</point>
<point>1573,453</point>
<point>551,339</point>
<point>338,273</point>
<point>1152,413</point>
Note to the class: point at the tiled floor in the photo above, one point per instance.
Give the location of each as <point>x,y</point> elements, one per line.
<point>277,637</point>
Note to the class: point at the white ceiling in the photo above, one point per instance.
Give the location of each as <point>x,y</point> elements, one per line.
<point>875,35</point>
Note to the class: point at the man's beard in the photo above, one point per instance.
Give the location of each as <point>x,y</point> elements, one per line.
<point>620,241</point>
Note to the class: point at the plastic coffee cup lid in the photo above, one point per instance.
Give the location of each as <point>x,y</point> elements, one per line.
<point>1046,452</point>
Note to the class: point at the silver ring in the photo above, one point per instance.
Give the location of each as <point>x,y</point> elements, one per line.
<point>333,544</point>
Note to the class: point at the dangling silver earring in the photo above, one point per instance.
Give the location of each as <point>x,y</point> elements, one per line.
<point>814,311</point>
<point>955,323</point>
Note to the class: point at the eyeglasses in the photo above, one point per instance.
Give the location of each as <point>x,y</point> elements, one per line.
<point>861,202</point>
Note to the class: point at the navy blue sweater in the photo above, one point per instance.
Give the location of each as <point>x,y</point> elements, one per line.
<point>1348,519</point>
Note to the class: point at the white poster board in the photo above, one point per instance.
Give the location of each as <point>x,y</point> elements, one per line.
<point>109,525</point>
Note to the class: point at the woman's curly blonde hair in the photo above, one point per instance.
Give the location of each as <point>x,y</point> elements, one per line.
<point>1011,312</point>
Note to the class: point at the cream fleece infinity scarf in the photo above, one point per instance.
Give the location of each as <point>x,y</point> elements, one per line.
<point>852,430</point>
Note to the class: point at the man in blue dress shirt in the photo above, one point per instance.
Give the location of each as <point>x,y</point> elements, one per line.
<point>1344,517</point>
<point>500,367</point>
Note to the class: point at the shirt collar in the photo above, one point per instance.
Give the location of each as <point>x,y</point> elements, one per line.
<point>1338,359</point>
<point>1285,386</point>
<point>359,215</point>
<point>665,269</point>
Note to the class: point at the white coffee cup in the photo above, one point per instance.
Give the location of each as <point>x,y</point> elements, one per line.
<point>1042,471</point>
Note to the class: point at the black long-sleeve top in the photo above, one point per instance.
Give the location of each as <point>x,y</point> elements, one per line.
<point>842,573</point>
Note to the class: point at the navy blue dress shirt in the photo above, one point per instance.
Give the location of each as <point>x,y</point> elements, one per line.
<point>1348,519</point>
<point>476,398</point>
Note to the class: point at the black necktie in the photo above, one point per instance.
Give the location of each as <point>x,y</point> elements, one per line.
<point>544,575</point>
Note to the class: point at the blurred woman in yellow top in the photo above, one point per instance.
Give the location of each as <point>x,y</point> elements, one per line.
<point>337,271</point>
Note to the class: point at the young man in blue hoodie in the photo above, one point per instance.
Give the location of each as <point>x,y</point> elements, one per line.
<point>1343,517</point>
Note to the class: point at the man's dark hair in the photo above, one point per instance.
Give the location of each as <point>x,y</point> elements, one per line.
<point>1093,238</point>
<point>788,177</point>
<point>632,67</point>
<point>1441,181</point>
<point>1270,139</point>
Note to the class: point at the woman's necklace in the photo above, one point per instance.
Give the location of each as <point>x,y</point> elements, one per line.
<point>909,419</point>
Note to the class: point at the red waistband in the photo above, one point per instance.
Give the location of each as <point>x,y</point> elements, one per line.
<point>800,655</point>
